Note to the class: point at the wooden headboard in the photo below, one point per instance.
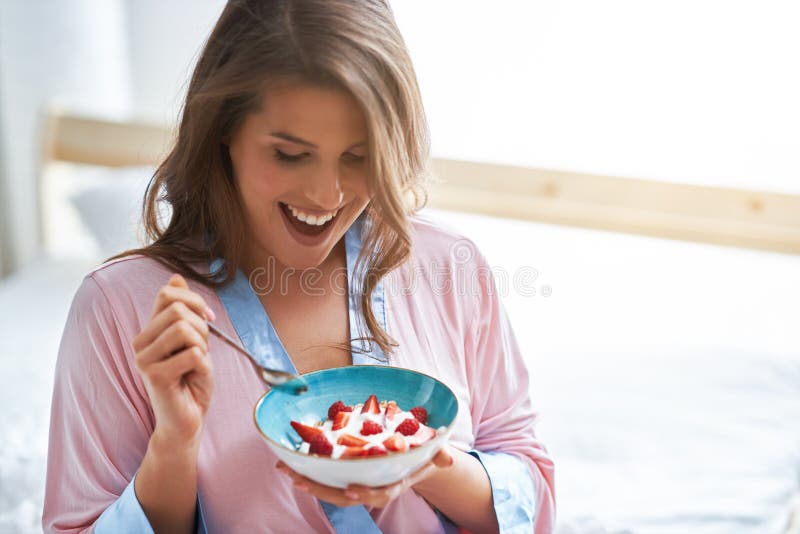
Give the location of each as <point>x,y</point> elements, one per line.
<point>724,216</point>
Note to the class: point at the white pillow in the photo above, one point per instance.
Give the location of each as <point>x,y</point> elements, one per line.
<point>110,206</point>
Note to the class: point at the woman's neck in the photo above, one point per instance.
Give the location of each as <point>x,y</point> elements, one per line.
<point>268,276</point>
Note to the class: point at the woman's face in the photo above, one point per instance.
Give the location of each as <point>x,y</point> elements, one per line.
<point>300,164</point>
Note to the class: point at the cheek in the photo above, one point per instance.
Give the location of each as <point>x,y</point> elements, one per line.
<point>358,180</point>
<point>260,180</point>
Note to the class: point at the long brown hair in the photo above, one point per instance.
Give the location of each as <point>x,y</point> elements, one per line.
<point>346,44</point>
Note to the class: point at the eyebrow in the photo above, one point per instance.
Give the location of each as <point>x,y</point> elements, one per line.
<point>293,139</point>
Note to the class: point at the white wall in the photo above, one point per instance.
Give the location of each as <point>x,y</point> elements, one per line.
<point>71,53</point>
<point>165,38</point>
<point>5,230</point>
<point>697,91</point>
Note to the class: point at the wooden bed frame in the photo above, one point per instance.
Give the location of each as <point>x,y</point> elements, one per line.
<point>724,216</point>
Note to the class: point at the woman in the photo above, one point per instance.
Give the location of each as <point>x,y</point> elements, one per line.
<point>293,187</point>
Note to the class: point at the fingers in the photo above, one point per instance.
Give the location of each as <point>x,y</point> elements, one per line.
<point>175,303</point>
<point>178,336</point>
<point>326,493</point>
<point>174,312</point>
<point>378,497</point>
<point>178,289</point>
<point>170,370</point>
<point>383,495</point>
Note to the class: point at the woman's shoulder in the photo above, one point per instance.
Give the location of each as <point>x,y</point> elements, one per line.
<point>129,272</point>
<point>434,240</point>
<point>127,280</point>
<point>131,280</point>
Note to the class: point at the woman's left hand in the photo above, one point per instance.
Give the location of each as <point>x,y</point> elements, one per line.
<point>375,497</point>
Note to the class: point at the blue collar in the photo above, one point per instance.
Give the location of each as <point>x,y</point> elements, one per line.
<point>253,325</point>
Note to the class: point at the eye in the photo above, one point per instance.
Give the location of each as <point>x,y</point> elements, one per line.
<point>355,158</point>
<point>290,158</point>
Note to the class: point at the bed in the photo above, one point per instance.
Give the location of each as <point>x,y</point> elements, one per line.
<point>667,373</point>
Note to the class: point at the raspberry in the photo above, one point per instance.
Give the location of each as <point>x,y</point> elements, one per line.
<point>408,427</point>
<point>320,445</point>
<point>337,407</point>
<point>420,414</point>
<point>370,427</point>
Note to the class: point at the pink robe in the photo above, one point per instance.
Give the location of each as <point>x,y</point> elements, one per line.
<point>442,309</point>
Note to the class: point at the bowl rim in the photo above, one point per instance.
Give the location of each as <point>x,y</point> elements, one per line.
<point>446,431</point>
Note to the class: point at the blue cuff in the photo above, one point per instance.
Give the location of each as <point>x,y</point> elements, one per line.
<point>124,515</point>
<point>512,491</point>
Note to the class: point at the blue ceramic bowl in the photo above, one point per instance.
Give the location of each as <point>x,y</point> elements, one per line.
<point>353,385</point>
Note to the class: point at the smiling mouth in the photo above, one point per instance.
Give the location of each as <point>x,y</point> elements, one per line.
<point>303,227</point>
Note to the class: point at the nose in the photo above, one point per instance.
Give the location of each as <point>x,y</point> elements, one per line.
<point>325,190</point>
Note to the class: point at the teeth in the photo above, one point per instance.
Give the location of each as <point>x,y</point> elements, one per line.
<point>312,220</point>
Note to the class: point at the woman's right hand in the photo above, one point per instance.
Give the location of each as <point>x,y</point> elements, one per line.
<point>172,357</point>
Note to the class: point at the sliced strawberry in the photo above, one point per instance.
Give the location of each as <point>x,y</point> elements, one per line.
<point>353,452</point>
<point>320,445</point>
<point>340,420</point>
<point>424,434</point>
<point>351,440</point>
<point>391,410</point>
<point>420,413</point>
<point>306,432</point>
<point>376,451</point>
<point>371,406</point>
<point>395,443</point>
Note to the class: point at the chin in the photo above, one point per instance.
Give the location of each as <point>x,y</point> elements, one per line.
<point>299,260</point>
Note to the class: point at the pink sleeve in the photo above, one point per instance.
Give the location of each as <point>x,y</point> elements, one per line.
<point>100,420</point>
<point>502,412</point>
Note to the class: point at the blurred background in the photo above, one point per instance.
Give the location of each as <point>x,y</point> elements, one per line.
<point>636,162</point>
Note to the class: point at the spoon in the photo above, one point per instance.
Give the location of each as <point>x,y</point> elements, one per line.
<point>278,379</point>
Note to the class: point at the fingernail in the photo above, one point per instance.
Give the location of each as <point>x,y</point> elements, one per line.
<point>351,495</point>
<point>210,315</point>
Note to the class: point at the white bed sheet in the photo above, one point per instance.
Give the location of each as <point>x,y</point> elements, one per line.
<point>33,308</point>
<point>667,375</point>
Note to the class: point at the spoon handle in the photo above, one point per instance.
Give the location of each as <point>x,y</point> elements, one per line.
<point>273,377</point>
